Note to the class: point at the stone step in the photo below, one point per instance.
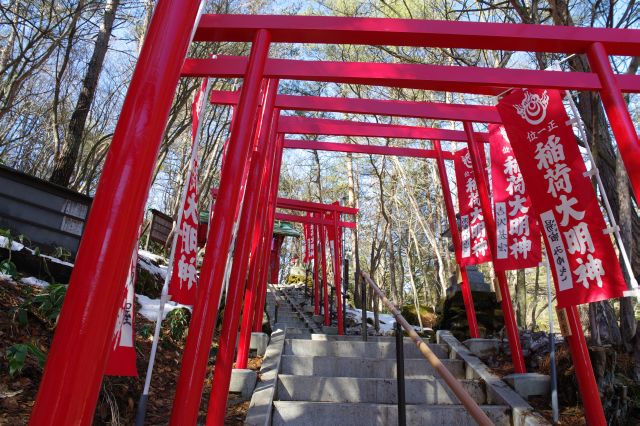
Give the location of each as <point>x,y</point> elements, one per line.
<point>327,366</point>
<point>283,325</point>
<point>357,338</point>
<point>368,390</point>
<point>293,413</point>
<point>288,316</point>
<point>360,349</point>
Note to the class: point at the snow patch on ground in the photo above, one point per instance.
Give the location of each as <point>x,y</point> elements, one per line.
<point>5,277</point>
<point>56,260</point>
<point>15,246</point>
<point>151,256</point>
<point>149,307</point>
<point>35,282</point>
<point>147,261</point>
<point>387,321</point>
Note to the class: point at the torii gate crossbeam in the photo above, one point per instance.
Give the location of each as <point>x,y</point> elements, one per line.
<point>392,108</point>
<point>484,81</point>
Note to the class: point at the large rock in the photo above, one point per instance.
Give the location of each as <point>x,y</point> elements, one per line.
<point>453,312</point>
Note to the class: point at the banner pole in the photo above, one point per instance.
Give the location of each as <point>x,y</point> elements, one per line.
<point>613,228</point>
<point>552,345</point>
<point>164,295</point>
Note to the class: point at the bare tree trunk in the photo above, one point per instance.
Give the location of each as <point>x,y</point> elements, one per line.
<point>402,271</point>
<point>413,236</point>
<point>392,265</point>
<point>427,231</point>
<point>627,304</point>
<point>64,165</point>
<point>5,54</point>
<point>534,305</point>
<point>627,311</point>
<point>353,202</point>
<point>148,13</point>
<point>521,298</point>
<point>387,234</point>
<point>318,176</point>
<point>416,301</point>
<point>55,125</point>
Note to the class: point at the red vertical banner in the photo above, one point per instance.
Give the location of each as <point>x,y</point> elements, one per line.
<point>582,257</point>
<point>184,274</point>
<point>122,359</point>
<point>197,106</point>
<point>331,236</point>
<point>305,228</point>
<point>473,233</point>
<point>518,243</point>
<point>309,251</point>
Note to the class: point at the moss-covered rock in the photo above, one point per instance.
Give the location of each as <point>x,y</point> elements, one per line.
<point>426,314</point>
<point>454,315</point>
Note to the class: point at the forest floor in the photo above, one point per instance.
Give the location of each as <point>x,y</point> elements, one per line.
<point>119,395</point>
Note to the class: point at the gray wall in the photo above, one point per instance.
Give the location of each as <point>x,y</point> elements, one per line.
<point>49,215</point>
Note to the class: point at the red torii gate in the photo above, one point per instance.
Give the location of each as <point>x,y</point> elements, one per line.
<point>69,394</point>
<point>258,288</point>
<point>345,128</point>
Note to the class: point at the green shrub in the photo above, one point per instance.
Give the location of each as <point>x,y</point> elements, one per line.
<point>7,267</point>
<point>49,302</point>
<point>146,331</point>
<point>62,254</point>
<point>17,357</point>
<point>177,323</point>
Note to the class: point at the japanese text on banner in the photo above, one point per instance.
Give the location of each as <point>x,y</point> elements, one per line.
<point>517,233</point>
<point>122,356</point>
<point>582,257</point>
<point>184,275</point>
<point>473,232</point>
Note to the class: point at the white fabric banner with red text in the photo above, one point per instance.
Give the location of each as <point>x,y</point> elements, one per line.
<point>584,264</point>
<point>122,356</point>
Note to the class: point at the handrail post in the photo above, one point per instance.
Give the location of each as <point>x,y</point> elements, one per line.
<point>402,405</point>
<point>345,285</point>
<point>456,387</point>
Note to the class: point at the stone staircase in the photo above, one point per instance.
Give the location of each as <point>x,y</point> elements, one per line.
<point>316,379</point>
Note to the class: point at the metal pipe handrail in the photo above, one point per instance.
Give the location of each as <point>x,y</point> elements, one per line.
<point>456,387</point>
